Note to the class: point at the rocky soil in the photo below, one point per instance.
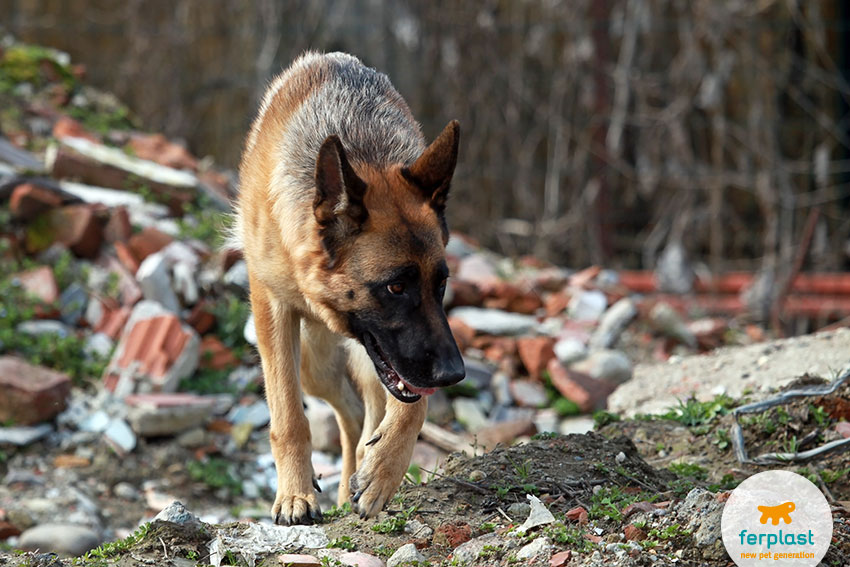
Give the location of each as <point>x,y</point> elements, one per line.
<point>129,381</point>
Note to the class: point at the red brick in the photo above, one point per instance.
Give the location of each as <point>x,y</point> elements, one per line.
<point>843,428</point>
<point>587,392</point>
<point>8,529</point>
<point>40,283</point>
<point>113,321</point>
<point>147,242</point>
<point>78,228</point>
<point>31,394</point>
<point>28,201</point>
<point>560,559</point>
<point>535,353</point>
<point>157,148</point>
<point>150,347</point>
<point>577,514</point>
<point>215,355</point>
<point>634,533</point>
<point>201,319</point>
<point>556,302</point>
<point>67,127</point>
<point>126,257</point>
<point>452,535</point>
<point>463,333</point>
<point>118,227</point>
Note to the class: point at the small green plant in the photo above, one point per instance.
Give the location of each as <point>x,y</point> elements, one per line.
<point>337,511</point>
<point>692,412</point>
<point>670,532</point>
<point>215,473</point>
<point>394,524</point>
<point>721,439</point>
<point>343,542</point>
<point>568,536</point>
<point>383,550</point>
<point>489,551</point>
<point>829,476</point>
<point>820,415</point>
<point>791,444</point>
<point>203,221</point>
<point>608,502</point>
<point>231,314</point>
<point>114,548</point>
<point>544,436</point>
<point>487,527</point>
<point>208,381</point>
<point>413,475</point>
<point>602,418</point>
<point>689,470</point>
<point>522,470</point>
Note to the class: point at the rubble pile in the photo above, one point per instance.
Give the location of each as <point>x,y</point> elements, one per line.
<point>126,332</point>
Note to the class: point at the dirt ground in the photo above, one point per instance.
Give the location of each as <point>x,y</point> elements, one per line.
<point>620,496</point>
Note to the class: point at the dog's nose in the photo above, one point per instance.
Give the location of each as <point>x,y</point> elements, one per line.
<point>448,370</point>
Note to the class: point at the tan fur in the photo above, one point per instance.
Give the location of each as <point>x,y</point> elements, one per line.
<point>300,304</point>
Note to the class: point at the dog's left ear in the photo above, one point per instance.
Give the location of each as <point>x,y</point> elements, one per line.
<point>432,171</point>
<point>338,206</point>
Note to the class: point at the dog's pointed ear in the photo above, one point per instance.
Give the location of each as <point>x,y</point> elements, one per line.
<point>432,171</point>
<point>338,205</point>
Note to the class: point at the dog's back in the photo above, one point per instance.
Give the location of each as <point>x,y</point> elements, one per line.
<point>334,93</point>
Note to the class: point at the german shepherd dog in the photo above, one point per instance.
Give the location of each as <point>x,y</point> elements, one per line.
<point>341,217</point>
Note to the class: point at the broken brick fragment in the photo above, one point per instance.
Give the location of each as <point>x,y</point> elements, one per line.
<point>215,355</point>
<point>535,353</point>
<point>29,200</point>
<point>147,242</point>
<point>31,394</point>
<point>588,393</point>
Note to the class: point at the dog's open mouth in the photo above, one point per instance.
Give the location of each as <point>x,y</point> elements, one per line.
<point>392,380</point>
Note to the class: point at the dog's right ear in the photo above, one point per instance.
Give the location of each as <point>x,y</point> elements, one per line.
<point>338,205</point>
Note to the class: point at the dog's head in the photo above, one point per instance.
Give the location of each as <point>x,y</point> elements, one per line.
<point>383,236</point>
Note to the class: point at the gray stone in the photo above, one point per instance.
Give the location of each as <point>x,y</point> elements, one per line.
<point>673,271</point>
<point>540,547</point>
<point>154,277</point>
<point>610,365</point>
<point>519,510</point>
<point>501,388</point>
<point>467,553</point>
<point>495,321</point>
<point>126,491</point>
<point>417,529</point>
<point>667,321</point>
<point>152,420</point>
<point>184,282</point>
<point>176,513</point>
<point>24,435</point>
<point>39,327</point>
<point>615,319</point>
<point>73,303</point>
<point>701,512</point>
<point>64,539</point>
<point>440,408</point>
<point>405,554</point>
<point>477,373</point>
<point>547,420</point>
<point>469,413</point>
<point>119,436</point>
<point>528,393</point>
<point>237,275</point>
<point>579,424</point>
<point>195,437</point>
<point>587,305</point>
<point>98,345</point>
<point>570,350</point>
<point>324,430</point>
<point>253,539</point>
<point>257,414</point>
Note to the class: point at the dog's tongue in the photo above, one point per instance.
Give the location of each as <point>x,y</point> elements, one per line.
<point>415,390</point>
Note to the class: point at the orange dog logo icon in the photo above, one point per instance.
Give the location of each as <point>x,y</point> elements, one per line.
<point>776,513</point>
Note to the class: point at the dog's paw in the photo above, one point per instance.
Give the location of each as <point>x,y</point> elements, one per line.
<point>373,485</point>
<point>291,509</point>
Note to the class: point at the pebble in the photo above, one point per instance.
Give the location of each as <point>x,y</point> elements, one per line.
<point>610,365</point>
<point>569,350</point>
<point>469,413</point>
<point>620,458</point>
<point>126,491</point>
<point>519,510</point>
<point>177,513</point>
<point>405,554</point>
<point>495,321</point>
<point>537,548</point>
<point>587,305</point>
<point>154,279</point>
<point>64,539</point>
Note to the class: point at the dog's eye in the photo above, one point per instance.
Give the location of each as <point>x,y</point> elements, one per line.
<point>396,288</point>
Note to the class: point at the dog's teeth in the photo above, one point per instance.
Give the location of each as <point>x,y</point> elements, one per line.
<point>401,386</point>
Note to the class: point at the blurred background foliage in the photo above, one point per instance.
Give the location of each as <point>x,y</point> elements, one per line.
<point>593,131</point>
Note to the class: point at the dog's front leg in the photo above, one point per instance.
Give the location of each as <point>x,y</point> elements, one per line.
<point>387,456</point>
<point>278,328</point>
